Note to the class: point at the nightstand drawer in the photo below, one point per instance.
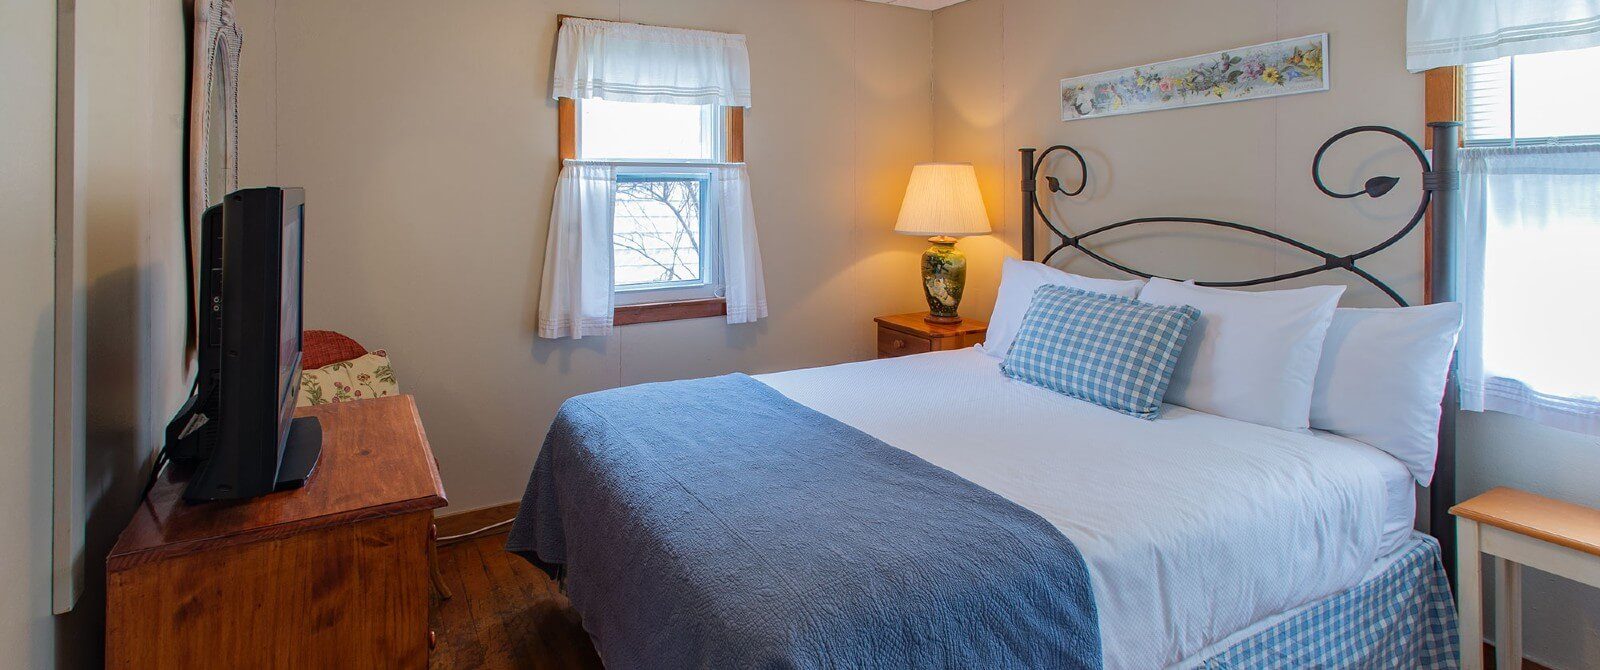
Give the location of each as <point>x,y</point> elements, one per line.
<point>896,343</point>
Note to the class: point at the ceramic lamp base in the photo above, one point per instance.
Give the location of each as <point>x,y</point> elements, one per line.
<point>944,277</point>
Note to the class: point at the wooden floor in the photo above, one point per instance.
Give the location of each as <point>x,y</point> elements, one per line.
<point>505,613</point>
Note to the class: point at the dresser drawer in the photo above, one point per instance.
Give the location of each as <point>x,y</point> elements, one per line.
<point>897,343</point>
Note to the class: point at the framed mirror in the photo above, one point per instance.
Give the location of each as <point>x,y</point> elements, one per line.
<point>213,130</point>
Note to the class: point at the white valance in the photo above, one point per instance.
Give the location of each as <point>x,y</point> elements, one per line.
<point>628,62</point>
<point>1456,32</point>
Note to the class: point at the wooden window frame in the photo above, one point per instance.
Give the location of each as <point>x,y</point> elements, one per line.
<point>653,312</point>
<point>1444,98</point>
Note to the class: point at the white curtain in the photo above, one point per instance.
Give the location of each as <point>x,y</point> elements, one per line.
<point>1457,32</point>
<point>1526,266</point>
<point>628,62</point>
<point>744,288</point>
<point>575,298</point>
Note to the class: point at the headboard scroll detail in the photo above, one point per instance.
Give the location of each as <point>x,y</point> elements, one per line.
<point>1375,187</point>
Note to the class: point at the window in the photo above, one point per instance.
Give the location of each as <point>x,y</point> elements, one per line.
<point>653,217</point>
<point>664,216</point>
<point>648,131</point>
<point>660,226</point>
<point>1531,220</point>
<point>1532,99</point>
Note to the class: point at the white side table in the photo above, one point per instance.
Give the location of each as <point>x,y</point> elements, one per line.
<point>1517,528</point>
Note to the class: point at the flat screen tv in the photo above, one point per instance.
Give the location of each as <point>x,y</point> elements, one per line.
<point>237,437</point>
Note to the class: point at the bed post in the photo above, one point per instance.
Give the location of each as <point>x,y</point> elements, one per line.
<point>1445,183</point>
<point>1029,184</point>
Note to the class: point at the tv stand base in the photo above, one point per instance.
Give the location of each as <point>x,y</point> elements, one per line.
<point>300,453</point>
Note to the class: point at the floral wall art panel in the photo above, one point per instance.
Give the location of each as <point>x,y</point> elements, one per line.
<point>1297,65</point>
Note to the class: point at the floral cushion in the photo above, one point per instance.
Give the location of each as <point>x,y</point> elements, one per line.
<point>358,379</point>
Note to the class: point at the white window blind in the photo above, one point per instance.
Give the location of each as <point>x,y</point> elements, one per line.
<point>648,131</point>
<point>1538,98</point>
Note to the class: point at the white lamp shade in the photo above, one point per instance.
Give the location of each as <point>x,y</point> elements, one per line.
<point>943,199</point>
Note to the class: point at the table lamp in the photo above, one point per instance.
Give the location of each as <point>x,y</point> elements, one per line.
<point>943,203</point>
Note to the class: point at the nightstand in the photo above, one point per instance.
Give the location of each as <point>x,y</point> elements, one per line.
<point>906,334</point>
<point>1517,528</point>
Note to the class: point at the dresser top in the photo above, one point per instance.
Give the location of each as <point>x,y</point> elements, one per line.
<point>375,463</point>
<point>913,323</point>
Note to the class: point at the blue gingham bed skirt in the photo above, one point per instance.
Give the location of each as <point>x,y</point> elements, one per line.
<point>1403,618</point>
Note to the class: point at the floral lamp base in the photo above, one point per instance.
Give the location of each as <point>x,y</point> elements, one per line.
<point>944,277</point>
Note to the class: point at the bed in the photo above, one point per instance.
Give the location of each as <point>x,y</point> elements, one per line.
<point>931,511</point>
<point>1249,493</point>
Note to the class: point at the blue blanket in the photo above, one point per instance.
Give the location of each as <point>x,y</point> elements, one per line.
<point>714,523</point>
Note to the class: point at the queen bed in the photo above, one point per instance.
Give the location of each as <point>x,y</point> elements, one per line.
<point>932,511</point>
<point>1222,501</point>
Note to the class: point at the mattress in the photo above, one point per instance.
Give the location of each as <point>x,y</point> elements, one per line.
<point>1194,527</point>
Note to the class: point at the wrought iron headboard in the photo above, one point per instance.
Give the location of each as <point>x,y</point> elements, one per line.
<point>1440,188</point>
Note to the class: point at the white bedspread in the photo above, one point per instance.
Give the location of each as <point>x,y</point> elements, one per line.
<point>1193,526</point>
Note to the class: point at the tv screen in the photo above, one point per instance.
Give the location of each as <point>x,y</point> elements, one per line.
<point>289,323</point>
<point>249,443</point>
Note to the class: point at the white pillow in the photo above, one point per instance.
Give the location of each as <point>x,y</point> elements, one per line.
<point>1019,279</point>
<point>1382,378</point>
<point>1252,355</point>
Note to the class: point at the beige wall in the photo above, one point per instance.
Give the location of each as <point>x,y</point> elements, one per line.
<point>998,64</point>
<point>27,270</point>
<point>997,68</point>
<point>129,63</point>
<point>425,137</point>
<point>130,60</point>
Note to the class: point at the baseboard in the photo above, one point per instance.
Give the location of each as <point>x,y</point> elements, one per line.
<point>461,523</point>
<point>1489,664</point>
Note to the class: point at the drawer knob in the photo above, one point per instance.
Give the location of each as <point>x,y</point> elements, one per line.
<point>898,344</point>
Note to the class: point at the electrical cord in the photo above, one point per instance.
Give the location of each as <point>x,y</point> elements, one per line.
<point>162,456</point>
<point>155,472</point>
<point>475,533</point>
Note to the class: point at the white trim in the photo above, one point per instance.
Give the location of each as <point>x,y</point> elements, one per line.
<point>1507,613</point>
<point>925,5</point>
<point>1541,555</point>
<point>69,490</point>
<point>645,296</point>
<point>682,164</point>
<point>1469,593</point>
<point>1579,415</point>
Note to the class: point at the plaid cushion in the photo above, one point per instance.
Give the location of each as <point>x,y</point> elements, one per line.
<point>1111,351</point>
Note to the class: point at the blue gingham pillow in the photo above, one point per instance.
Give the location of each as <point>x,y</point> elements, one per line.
<point>1113,352</point>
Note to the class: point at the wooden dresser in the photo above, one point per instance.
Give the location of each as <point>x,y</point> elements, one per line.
<point>331,575</point>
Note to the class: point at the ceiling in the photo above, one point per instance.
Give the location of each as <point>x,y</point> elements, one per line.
<point>918,4</point>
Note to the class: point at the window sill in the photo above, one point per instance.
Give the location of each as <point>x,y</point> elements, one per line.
<point>652,312</point>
